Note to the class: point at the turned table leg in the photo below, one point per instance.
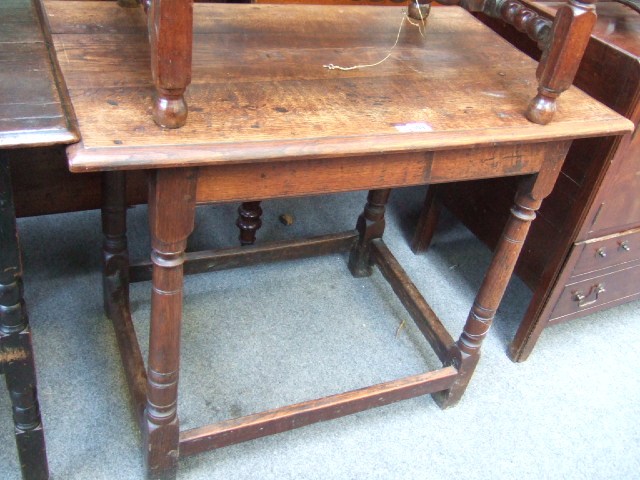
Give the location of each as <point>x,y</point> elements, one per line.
<point>533,189</point>
<point>16,351</point>
<point>115,259</point>
<point>249,222</point>
<point>115,283</point>
<point>171,219</point>
<point>370,225</point>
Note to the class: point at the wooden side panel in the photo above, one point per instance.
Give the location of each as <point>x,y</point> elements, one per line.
<point>245,182</point>
<point>43,183</point>
<point>311,177</point>
<point>617,207</point>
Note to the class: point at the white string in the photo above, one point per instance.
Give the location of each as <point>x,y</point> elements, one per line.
<point>423,21</point>
<point>420,26</point>
<point>331,66</point>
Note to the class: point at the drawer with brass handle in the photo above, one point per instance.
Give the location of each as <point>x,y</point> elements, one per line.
<point>593,292</point>
<point>607,251</point>
<point>591,297</point>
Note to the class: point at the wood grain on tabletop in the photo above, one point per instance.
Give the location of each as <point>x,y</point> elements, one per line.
<point>260,91</point>
<point>31,112</point>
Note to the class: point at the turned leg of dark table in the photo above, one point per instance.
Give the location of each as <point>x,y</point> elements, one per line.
<point>370,226</point>
<point>115,252</point>
<point>489,297</point>
<point>115,281</point>
<point>533,189</point>
<point>171,219</point>
<point>16,352</point>
<point>249,222</point>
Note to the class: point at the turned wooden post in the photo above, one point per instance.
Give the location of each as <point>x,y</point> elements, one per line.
<point>115,283</point>
<point>16,351</point>
<point>370,225</point>
<point>532,190</point>
<point>249,222</point>
<point>115,257</point>
<point>170,25</point>
<point>171,220</point>
<point>562,42</point>
<point>570,34</point>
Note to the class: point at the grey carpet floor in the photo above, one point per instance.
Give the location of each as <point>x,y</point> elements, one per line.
<point>271,335</point>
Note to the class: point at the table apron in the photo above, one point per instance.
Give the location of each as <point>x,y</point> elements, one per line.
<point>277,179</point>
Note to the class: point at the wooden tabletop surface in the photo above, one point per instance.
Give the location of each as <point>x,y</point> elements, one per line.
<point>260,90</point>
<point>31,112</point>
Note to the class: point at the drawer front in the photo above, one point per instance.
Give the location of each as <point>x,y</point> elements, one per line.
<point>597,292</point>
<point>607,251</point>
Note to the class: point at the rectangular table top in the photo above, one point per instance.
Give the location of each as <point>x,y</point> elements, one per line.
<point>260,90</point>
<point>31,111</point>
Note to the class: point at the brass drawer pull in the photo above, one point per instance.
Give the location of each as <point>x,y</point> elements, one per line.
<point>581,297</point>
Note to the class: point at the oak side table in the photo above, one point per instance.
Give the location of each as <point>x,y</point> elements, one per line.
<point>267,119</point>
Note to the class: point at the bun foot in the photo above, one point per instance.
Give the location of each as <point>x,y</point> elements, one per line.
<point>541,109</point>
<point>170,111</point>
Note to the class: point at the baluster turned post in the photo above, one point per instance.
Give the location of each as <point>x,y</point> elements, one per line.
<point>170,26</point>
<point>569,37</point>
<point>532,190</point>
<point>562,41</point>
<point>170,29</point>
<point>370,225</point>
<point>115,256</point>
<point>16,351</point>
<point>249,222</point>
<point>171,221</point>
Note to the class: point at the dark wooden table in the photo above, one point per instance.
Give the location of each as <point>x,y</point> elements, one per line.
<point>31,115</point>
<point>267,120</point>
<point>583,254</point>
